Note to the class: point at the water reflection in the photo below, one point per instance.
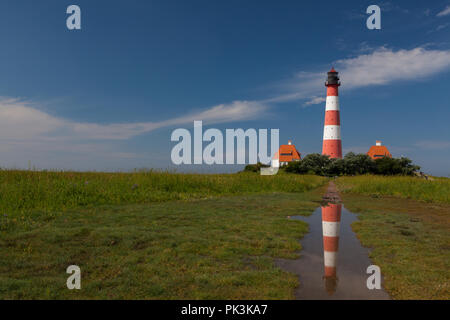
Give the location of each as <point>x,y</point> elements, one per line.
<point>332,263</point>
<point>331,222</point>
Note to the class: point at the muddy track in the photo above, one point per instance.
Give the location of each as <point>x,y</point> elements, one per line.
<point>332,195</point>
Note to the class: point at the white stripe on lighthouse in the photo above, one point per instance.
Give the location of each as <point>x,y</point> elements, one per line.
<point>330,229</point>
<point>332,103</point>
<point>330,258</point>
<point>332,132</point>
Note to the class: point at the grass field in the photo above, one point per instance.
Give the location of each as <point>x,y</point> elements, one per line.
<point>219,248</point>
<point>150,235</point>
<point>24,193</point>
<point>410,241</point>
<point>437,190</point>
<point>185,236</point>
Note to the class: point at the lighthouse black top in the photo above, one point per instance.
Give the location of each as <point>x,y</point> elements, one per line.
<point>332,78</point>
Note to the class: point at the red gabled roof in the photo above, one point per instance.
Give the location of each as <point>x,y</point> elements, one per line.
<point>287,153</point>
<point>376,152</point>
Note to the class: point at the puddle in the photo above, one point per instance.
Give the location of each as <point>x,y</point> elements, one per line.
<point>333,263</point>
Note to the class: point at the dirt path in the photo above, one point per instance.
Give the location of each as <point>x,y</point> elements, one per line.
<point>332,195</point>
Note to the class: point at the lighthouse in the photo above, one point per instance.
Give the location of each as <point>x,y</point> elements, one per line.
<point>332,145</point>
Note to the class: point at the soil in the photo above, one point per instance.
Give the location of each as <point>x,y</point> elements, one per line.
<point>331,195</point>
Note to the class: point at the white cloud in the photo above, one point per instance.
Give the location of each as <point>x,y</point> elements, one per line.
<point>381,66</point>
<point>444,12</point>
<point>29,134</point>
<point>442,26</point>
<point>19,120</point>
<point>314,100</point>
<point>235,111</point>
<point>384,66</point>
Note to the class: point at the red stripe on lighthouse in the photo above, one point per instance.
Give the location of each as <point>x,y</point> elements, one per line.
<point>332,90</point>
<point>333,148</point>
<point>332,117</point>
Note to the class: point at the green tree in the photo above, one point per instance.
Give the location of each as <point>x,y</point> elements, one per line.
<point>316,163</point>
<point>351,164</point>
<point>255,167</point>
<point>357,164</point>
<point>393,166</point>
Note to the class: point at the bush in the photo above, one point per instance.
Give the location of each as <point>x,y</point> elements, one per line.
<point>358,164</point>
<point>313,163</point>
<point>255,167</point>
<point>392,166</point>
<point>351,164</point>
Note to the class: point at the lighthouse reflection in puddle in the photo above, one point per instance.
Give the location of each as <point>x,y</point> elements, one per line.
<point>331,222</point>
<point>320,276</point>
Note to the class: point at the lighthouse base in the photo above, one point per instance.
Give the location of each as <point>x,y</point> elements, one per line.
<point>332,148</point>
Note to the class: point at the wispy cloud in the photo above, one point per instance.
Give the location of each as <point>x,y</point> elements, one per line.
<point>384,66</point>
<point>27,133</point>
<point>388,6</point>
<point>433,144</point>
<point>20,120</point>
<point>314,100</point>
<point>381,66</point>
<point>444,12</point>
<point>442,26</point>
<point>235,111</point>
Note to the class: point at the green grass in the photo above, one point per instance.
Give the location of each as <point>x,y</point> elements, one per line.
<point>406,220</point>
<point>410,241</point>
<point>150,235</point>
<point>219,248</point>
<point>437,190</point>
<point>24,192</point>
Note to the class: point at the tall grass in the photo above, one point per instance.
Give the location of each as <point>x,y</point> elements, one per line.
<point>436,190</point>
<point>22,192</point>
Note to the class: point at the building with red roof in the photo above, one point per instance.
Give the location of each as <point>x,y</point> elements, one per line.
<point>378,151</point>
<point>287,153</point>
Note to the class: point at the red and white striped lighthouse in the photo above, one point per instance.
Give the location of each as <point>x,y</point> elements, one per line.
<point>332,145</point>
<point>331,219</point>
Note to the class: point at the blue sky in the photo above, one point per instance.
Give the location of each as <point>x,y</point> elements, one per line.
<point>108,97</point>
